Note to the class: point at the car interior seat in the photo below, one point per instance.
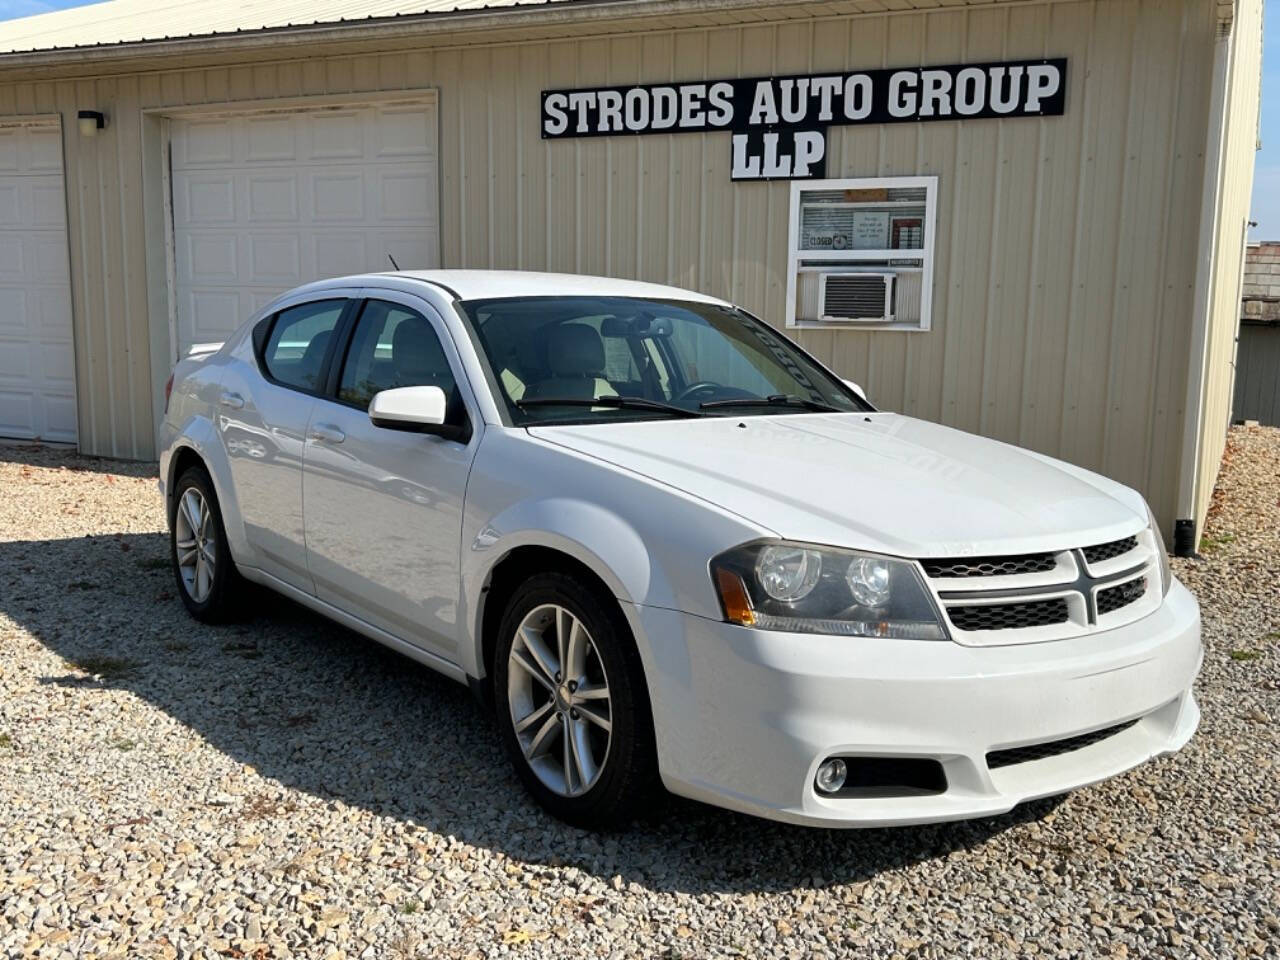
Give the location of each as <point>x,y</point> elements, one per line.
<point>312,361</point>
<point>576,361</point>
<point>417,358</point>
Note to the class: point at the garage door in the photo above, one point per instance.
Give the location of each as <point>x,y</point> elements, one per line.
<point>37,361</point>
<point>263,202</point>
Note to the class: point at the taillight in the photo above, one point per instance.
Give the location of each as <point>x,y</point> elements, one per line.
<point>168,389</point>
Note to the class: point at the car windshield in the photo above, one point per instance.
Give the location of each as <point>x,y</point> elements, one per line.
<point>605,359</point>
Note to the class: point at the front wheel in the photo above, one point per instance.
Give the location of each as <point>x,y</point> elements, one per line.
<point>207,579</point>
<point>572,703</point>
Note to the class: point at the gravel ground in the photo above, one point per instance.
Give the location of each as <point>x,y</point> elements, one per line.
<point>283,788</point>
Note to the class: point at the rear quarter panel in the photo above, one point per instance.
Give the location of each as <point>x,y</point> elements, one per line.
<point>191,422</point>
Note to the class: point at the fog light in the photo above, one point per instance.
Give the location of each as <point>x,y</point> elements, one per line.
<point>831,775</point>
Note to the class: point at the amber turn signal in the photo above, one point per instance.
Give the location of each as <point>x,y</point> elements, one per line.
<point>733,597</point>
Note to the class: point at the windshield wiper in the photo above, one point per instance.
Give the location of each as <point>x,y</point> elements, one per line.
<point>616,403</point>
<point>776,400</point>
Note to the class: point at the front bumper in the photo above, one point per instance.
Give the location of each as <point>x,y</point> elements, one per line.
<point>744,717</point>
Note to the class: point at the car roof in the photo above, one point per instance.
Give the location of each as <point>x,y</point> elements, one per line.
<point>490,284</point>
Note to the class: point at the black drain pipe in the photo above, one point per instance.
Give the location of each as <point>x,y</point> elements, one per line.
<point>1184,538</point>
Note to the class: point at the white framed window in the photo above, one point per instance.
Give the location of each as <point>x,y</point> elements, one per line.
<point>860,253</point>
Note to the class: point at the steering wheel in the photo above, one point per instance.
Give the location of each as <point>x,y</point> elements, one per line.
<point>708,390</point>
<point>693,390</point>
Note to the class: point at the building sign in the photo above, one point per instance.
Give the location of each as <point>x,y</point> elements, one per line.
<point>779,124</point>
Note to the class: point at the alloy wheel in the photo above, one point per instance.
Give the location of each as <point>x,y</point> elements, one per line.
<point>558,695</point>
<point>196,544</point>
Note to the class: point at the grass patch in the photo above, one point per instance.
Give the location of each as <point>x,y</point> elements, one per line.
<point>6,741</point>
<point>1213,544</point>
<point>123,745</point>
<point>410,907</point>
<point>153,563</point>
<point>1244,656</point>
<point>104,666</point>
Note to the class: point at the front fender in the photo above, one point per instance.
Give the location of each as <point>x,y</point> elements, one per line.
<point>599,539</point>
<point>649,542</point>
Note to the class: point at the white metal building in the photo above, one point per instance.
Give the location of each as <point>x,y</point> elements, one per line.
<point>1020,217</point>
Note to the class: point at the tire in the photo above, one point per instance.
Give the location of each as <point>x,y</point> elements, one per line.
<point>211,598</point>
<point>613,772</point>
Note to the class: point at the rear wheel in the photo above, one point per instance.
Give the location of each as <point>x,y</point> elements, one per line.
<point>206,575</point>
<point>572,704</point>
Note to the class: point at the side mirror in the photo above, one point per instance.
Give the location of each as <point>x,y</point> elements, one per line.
<point>418,410</point>
<point>415,409</point>
<point>856,389</point>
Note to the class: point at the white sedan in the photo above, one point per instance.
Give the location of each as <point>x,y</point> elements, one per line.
<point>669,547</point>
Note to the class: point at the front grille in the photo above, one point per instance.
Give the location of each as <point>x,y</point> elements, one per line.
<point>1009,616</point>
<point>1054,748</point>
<point>1109,551</point>
<point>990,566</point>
<point>1113,598</point>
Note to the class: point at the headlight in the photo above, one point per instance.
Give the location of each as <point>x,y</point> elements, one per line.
<point>788,573</point>
<point>1166,572</point>
<point>803,588</point>
<point>868,579</point>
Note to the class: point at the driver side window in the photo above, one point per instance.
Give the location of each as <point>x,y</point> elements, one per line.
<point>393,346</point>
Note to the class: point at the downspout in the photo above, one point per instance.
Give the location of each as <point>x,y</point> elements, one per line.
<point>1235,342</point>
<point>1185,535</point>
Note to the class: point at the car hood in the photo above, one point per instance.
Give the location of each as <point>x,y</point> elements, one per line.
<point>874,481</point>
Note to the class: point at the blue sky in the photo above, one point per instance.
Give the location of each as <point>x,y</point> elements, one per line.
<point>26,8</point>
<point>1266,176</point>
<point>1266,183</point>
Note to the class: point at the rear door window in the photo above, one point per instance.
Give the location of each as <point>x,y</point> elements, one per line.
<point>297,349</point>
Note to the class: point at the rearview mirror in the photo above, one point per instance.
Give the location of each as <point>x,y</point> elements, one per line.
<point>417,409</point>
<point>856,389</point>
<point>638,326</point>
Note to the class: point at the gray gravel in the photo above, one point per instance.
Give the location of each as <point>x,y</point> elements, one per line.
<point>283,788</point>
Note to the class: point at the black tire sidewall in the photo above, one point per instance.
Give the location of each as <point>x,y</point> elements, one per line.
<point>630,769</point>
<point>216,607</point>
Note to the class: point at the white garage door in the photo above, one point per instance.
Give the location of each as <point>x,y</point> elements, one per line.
<point>263,202</point>
<point>37,361</point>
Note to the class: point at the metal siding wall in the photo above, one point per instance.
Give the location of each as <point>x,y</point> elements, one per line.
<point>108,282</point>
<point>1237,182</point>
<point>1257,391</point>
<point>1065,245</point>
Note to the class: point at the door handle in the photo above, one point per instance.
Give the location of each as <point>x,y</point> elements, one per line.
<point>233,400</point>
<point>327,433</point>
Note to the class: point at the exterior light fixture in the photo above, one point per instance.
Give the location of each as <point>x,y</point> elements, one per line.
<point>831,775</point>
<point>91,121</point>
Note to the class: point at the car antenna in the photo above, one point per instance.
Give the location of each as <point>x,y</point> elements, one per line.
<point>393,262</point>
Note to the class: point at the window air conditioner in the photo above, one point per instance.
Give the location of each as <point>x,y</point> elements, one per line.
<point>856,297</point>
